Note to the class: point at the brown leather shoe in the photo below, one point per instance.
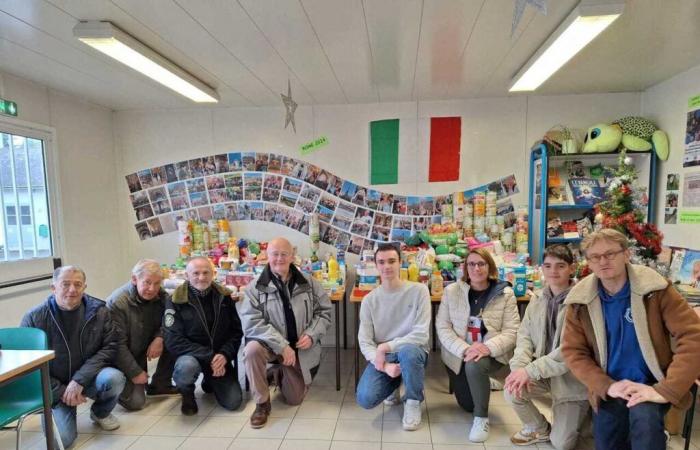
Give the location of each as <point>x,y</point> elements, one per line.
<point>259,417</point>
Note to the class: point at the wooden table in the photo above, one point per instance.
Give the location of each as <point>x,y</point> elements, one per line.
<point>336,298</point>
<point>17,363</point>
<point>434,305</point>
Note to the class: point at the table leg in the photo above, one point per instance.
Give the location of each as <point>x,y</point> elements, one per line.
<point>357,344</point>
<point>345,320</point>
<point>46,394</point>
<point>337,345</point>
<point>433,313</point>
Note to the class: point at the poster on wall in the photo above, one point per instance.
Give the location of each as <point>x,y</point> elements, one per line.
<point>692,133</point>
<point>691,190</point>
<point>283,190</point>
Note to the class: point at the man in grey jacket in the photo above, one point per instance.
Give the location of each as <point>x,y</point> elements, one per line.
<point>538,368</point>
<point>284,315</point>
<point>137,312</point>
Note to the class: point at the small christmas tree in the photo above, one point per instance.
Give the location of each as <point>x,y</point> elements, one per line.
<point>623,210</point>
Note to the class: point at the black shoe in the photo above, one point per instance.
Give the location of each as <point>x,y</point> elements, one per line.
<point>157,391</point>
<point>206,387</point>
<point>189,404</point>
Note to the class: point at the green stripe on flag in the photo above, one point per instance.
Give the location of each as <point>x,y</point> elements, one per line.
<point>384,151</point>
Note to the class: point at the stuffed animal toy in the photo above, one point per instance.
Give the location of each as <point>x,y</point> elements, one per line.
<point>636,134</point>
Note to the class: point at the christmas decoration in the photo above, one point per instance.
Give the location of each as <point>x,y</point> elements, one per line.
<point>623,211</point>
<point>290,106</point>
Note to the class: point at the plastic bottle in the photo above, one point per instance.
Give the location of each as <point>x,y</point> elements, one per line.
<point>333,269</point>
<point>436,284</point>
<point>413,271</point>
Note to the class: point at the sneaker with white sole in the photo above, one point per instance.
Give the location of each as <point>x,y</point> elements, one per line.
<point>480,429</point>
<point>529,435</point>
<point>108,423</point>
<point>411,415</point>
<point>394,398</point>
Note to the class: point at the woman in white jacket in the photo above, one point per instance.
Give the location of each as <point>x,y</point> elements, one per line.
<point>477,324</point>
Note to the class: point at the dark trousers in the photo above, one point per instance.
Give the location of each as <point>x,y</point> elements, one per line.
<point>226,388</point>
<point>133,396</point>
<point>617,427</point>
<point>472,386</point>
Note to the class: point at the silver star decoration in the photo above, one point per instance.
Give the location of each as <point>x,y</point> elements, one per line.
<point>520,5</point>
<point>290,106</point>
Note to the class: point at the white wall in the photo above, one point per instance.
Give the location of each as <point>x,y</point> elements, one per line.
<point>667,105</point>
<point>88,217</point>
<point>496,133</point>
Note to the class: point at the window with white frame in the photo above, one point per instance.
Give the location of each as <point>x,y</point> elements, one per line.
<point>25,227</point>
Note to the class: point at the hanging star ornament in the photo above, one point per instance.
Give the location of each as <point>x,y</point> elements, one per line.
<point>520,5</point>
<point>290,106</point>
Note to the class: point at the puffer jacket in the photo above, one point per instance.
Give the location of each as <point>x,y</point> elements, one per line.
<point>500,317</point>
<point>186,331</point>
<point>529,352</point>
<point>138,323</point>
<point>98,342</point>
<point>262,314</point>
<point>667,329</point>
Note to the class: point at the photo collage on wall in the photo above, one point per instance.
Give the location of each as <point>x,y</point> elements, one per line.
<point>284,190</point>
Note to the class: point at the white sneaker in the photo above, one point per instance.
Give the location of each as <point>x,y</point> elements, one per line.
<point>109,423</point>
<point>394,398</point>
<point>411,415</point>
<point>480,429</point>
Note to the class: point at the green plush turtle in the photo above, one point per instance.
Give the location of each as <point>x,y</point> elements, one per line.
<point>636,134</point>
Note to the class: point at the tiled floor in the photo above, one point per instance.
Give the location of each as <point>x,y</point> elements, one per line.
<point>327,420</point>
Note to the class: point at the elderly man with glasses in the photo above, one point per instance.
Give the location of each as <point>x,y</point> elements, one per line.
<point>618,343</point>
<point>284,314</point>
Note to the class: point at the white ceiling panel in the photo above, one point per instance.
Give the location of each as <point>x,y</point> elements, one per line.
<point>445,30</point>
<point>229,24</point>
<point>286,26</point>
<point>341,29</point>
<point>339,51</point>
<point>394,32</point>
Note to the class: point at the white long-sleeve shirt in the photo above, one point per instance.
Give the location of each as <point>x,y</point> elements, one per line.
<point>398,318</point>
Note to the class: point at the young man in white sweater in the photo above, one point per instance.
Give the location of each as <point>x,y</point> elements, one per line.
<point>393,337</point>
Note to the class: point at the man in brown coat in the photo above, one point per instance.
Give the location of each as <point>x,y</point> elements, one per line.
<point>617,342</point>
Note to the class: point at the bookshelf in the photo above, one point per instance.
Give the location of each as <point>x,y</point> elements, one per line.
<point>546,204</point>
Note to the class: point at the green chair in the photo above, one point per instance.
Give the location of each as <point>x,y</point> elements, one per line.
<point>23,396</point>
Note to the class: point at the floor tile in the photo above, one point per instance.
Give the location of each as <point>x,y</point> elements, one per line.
<point>226,427</point>
<point>449,433</point>
<point>306,444</point>
<point>255,444</point>
<point>345,445</point>
<point>205,443</point>
<point>174,426</point>
<point>275,428</point>
<point>358,430</point>
<point>321,429</point>
<point>351,410</point>
<point>394,432</point>
<point>157,443</point>
<point>405,446</point>
<point>318,410</point>
<point>109,442</point>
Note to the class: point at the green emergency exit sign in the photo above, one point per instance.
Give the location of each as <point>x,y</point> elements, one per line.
<point>8,108</point>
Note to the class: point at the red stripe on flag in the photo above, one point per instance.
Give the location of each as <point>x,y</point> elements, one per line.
<point>445,139</point>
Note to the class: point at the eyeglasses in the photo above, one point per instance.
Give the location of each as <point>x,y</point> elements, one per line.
<point>607,256</point>
<point>479,264</point>
<point>283,255</point>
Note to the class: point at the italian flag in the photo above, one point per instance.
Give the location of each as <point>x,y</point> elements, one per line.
<point>399,150</point>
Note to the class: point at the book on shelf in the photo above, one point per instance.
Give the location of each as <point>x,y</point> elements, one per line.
<point>584,227</point>
<point>585,191</point>
<point>570,229</point>
<point>554,228</point>
<point>556,195</point>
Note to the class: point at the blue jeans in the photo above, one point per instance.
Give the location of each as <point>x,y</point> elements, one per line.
<point>374,386</point>
<point>641,427</point>
<point>226,388</point>
<point>105,390</point>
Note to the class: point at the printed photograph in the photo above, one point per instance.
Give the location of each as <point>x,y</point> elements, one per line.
<point>360,196</point>
<point>292,185</point>
<point>671,216</point>
<point>324,213</point>
<point>218,211</point>
<point>311,174</point>
<point>252,193</point>
<point>356,245</point>
<point>234,162</point>
<point>221,163</point>
<point>178,188</point>
<point>145,179</point>
<point>256,210</point>
<point>275,163</point>
<point>335,185</point>
<point>179,202</point>
<point>330,235</point>
<point>327,201</point>
<point>138,199</point>
<point>348,190</point>
<point>233,179</point>
<point>273,181</point>
<point>252,180</point>
<point>322,179</point>
<point>209,165</point>
<point>143,212</point>
<point>673,182</point>
<point>261,160</point>
<point>427,206</point>
<point>311,193</point>
<point>154,227</point>
<point>342,241</point>
<point>306,205</point>
<point>161,207</point>
<point>205,213</point>
<point>304,224</point>
<point>215,182</point>
<point>380,233</point>
<point>382,220</point>
<point>167,223</point>
<point>421,223</point>
<point>270,195</point>
<point>183,170</point>
<point>234,193</point>
<point>373,198</point>
<point>232,211</point>
<point>248,161</point>
<point>196,185</point>
<point>287,166</point>
<point>170,175</point>
<point>299,170</point>
<point>288,199</point>
<point>132,180</point>
<point>142,230</point>
<point>217,196</point>
<point>294,219</point>
<point>158,176</point>
<point>362,222</point>
<point>402,223</point>
<point>198,199</point>
<point>386,203</point>
<point>510,186</point>
<point>400,235</point>
<point>196,167</point>
<point>413,206</point>
<point>400,206</point>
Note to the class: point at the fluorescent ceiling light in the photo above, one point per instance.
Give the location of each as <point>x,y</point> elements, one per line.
<point>580,27</point>
<point>113,42</point>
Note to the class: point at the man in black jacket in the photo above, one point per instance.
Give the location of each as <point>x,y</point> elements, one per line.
<point>137,312</point>
<point>203,330</point>
<point>80,331</point>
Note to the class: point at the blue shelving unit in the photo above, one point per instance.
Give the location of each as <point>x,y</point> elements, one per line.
<point>541,158</point>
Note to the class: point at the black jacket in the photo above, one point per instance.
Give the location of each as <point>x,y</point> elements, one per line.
<point>186,332</point>
<point>98,342</point>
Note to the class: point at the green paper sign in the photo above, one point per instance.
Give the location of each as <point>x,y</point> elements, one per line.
<point>689,217</point>
<point>8,108</point>
<point>313,145</point>
<point>694,102</point>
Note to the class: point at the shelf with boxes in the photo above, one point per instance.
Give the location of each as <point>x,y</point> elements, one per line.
<point>562,203</point>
